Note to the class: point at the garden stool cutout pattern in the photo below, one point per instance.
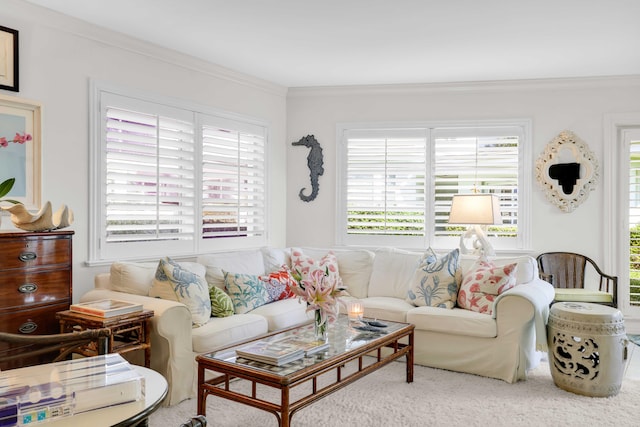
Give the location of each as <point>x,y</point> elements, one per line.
<point>587,348</point>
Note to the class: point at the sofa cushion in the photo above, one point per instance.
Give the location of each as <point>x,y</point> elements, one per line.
<point>354,265</point>
<point>274,258</point>
<point>221,304</point>
<point>436,280</point>
<point>483,283</point>
<point>247,262</point>
<point>457,321</point>
<point>279,283</point>
<point>188,288</point>
<point>284,313</point>
<point>386,308</point>
<point>247,291</point>
<point>132,277</point>
<point>224,331</point>
<point>355,271</point>
<point>392,270</point>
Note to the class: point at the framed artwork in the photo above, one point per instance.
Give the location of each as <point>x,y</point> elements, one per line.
<point>22,161</point>
<point>8,59</point>
<point>567,171</point>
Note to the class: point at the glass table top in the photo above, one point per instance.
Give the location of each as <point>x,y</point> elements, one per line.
<point>344,335</point>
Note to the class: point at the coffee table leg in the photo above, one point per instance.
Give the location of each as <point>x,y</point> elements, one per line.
<point>284,403</point>
<point>202,398</point>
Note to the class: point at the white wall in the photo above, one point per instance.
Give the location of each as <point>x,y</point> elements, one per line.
<point>59,56</point>
<point>578,105</point>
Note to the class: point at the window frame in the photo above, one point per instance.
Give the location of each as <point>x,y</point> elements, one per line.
<point>99,252</point>
<point>521,244</point>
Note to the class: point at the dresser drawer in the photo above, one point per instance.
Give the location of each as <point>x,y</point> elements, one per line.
<point>29,322</point>
<point>41,321</point>
<point>33,252</point>
<point>25,288</point>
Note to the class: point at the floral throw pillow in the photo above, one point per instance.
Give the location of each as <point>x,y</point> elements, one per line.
<point>221,304</point>
<point>304,265</point>
<point>188,288</point>
<point>247,291</point>
<point>435,282</point>
<point>483,282</point>
<point>279,284</point>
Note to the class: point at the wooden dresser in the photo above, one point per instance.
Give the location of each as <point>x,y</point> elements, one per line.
<point>35,283</point>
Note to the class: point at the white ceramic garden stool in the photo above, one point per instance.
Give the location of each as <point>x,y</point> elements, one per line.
<point>587,348</point>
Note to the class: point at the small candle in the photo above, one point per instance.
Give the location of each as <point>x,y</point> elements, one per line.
<point>355,310</point>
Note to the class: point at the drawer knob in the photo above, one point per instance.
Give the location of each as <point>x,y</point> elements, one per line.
<point>28,327</point>
<point>27,256</point>
<point>28,288</point>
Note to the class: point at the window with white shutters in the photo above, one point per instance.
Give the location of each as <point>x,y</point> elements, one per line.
<point>150,179</point>
<point>385,184</point>
<point>233,182</point>
<point>397,182</point>
<point>631,138</point>
<point>172,179</point>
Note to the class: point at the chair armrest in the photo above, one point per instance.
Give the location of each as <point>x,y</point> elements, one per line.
<point>171,342</point>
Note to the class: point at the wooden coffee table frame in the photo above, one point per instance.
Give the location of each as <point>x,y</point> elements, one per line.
<point>220,385</point>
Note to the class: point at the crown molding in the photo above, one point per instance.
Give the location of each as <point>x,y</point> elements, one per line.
<point>469,87</point>
<point>76,27</point>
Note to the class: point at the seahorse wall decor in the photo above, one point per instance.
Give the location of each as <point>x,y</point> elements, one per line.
<point>314,162</point>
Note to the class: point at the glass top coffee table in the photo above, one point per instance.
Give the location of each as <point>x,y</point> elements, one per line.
<point>352,354</point>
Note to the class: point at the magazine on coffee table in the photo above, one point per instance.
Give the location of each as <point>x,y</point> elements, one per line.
<point>310,347</point>
<point>274,353</point>
<point>106,308</point>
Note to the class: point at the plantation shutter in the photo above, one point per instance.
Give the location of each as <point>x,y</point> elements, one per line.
<point>233,179</point>
<point>150,180</point>
<point>476,160</point>
<point>632,138</point>
<point>385,184</point>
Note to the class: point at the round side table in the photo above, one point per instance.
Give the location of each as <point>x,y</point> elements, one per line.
<point>587,348</point>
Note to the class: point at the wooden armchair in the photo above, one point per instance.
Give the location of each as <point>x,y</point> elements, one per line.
<point>15,347</point>
<point>566,272</point>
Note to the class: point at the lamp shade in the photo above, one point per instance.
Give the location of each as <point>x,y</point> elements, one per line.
<point>483,209</point>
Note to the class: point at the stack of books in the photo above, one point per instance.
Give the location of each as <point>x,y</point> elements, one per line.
<point>106,308</point>
<point>280,352</point>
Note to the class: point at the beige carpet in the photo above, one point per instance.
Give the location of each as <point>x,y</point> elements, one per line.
<point>436,398</point>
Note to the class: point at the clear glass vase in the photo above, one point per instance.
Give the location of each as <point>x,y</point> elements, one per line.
<point>321,329</point>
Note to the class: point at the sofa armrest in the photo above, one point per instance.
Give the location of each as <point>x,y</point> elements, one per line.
<point>171,343</point>
<point>539,294</point>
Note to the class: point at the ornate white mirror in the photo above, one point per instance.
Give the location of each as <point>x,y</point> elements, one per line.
<point>567,171</point>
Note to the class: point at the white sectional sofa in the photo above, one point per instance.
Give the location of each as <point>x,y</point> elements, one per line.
<point>503,345</point>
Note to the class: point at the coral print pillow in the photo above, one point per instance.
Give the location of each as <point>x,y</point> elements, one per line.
<point>483,282</point>
<point>435,282</point>
<point>304,265</point>
<point>279,284</point>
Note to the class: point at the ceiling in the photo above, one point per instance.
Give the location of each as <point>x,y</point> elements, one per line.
<point>300,43</point>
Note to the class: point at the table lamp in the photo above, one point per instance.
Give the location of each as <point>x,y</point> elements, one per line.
<point>476,210</point>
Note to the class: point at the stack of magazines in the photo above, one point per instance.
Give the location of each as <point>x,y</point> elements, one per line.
<point>282,351</point>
